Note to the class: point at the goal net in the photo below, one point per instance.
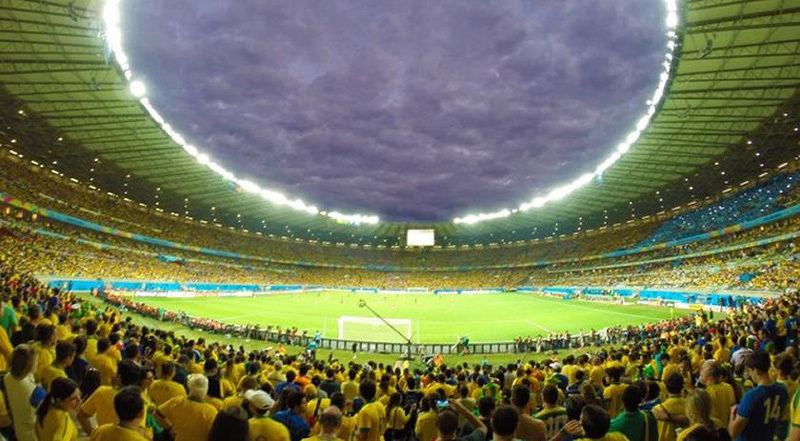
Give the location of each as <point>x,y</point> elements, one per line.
<point>374,329</point>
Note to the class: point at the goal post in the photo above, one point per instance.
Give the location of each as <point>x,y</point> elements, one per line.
<point>374,329</point>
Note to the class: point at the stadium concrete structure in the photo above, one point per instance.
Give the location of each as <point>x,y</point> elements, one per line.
<point>81,151</point>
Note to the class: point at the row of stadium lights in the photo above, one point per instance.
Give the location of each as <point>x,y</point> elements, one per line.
<point>555,234</point>
<point>113,35</point>
<point>13,141</point>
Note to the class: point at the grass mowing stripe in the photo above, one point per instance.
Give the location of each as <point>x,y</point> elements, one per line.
<point>485,318</point>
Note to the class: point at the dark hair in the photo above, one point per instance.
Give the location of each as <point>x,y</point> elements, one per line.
<point>550,394</point>
<point>505,420</point>
<point>595,421</point>
<point>367,389</point>
<point>64,350</point>
<point>758,360</point>
<point>128,403</point>
<point>520,396</point>
<point>60,389</point>
<point>44,332</point>
<point>632,397</point>
<point>674,383</point>
<point>574,405</point>
<point>80,344</point>
<point>131,351</point>
<point>486,406</point>
<point>167,368</point>
<point>230,424</point>
<point>395,400</point>
<point>337,399</point>
<point>447,422</point>
<point>130,373</point>
<point>295,399</point>
<point>103,344</point>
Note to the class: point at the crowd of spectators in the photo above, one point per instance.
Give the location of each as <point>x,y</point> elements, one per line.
<point>761,200</point>
<point>76,368</point>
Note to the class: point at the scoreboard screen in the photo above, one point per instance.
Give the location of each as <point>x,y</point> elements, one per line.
<point>420,238</point>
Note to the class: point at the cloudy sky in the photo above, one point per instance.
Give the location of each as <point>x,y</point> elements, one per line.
<point>412,110</point>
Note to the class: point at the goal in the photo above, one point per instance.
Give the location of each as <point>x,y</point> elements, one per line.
<point>374,329</point>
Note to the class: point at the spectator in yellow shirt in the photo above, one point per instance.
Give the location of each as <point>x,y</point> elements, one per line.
<point>45,347</point>
<point>52,415</point>
<point>163,389</point>
<point>613,392</point>
<point>129,407</point>
<point>261,426</point>
<point>188,418</point>
<point>425,428</point>
<point>721,393</point>
<point>104,363</point>
<point>65,355</point>
<point>350,387</point>
<point>671,414</point>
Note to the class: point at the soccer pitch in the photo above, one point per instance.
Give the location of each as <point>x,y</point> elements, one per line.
<point>435,318</point>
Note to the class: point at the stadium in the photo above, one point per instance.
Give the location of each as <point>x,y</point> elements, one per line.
<point>392,194</point>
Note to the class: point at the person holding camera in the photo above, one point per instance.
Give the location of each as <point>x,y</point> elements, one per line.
<point>447,423</point>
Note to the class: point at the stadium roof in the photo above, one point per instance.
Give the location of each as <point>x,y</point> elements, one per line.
<point>731,107</point>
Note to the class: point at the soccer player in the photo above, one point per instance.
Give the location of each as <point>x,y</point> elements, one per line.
<point>757,416</point>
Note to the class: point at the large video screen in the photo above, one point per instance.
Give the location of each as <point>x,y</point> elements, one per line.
<point>420,238</point>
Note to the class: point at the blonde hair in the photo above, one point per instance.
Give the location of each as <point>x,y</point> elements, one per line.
<point>698,407</point>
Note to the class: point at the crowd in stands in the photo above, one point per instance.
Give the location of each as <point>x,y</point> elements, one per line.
<point>740,207</point>
<point>55,193</point>
<point>76,368</point>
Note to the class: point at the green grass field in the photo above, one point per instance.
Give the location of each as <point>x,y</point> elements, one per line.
<point>435,319</point>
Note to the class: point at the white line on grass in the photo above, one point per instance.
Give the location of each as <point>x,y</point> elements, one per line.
<point>538,325</point>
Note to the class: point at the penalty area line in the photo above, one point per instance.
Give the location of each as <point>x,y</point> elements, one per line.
<point>538,326</point>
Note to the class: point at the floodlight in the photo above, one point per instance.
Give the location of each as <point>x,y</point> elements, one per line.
<point>137,88</point>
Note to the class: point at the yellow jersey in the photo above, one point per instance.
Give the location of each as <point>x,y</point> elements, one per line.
<point>57,426</point>
<point>115,432</point>
<point>263,428</point>
<point>372,419</point>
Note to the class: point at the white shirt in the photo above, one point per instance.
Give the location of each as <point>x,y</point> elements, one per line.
<point>19,394</point>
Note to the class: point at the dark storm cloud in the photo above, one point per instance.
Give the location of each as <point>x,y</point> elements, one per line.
<point>414,110</point>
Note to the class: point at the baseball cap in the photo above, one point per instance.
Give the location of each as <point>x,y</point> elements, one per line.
<point>259,399</point>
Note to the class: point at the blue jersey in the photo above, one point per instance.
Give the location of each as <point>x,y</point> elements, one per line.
<point>763,407</point>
